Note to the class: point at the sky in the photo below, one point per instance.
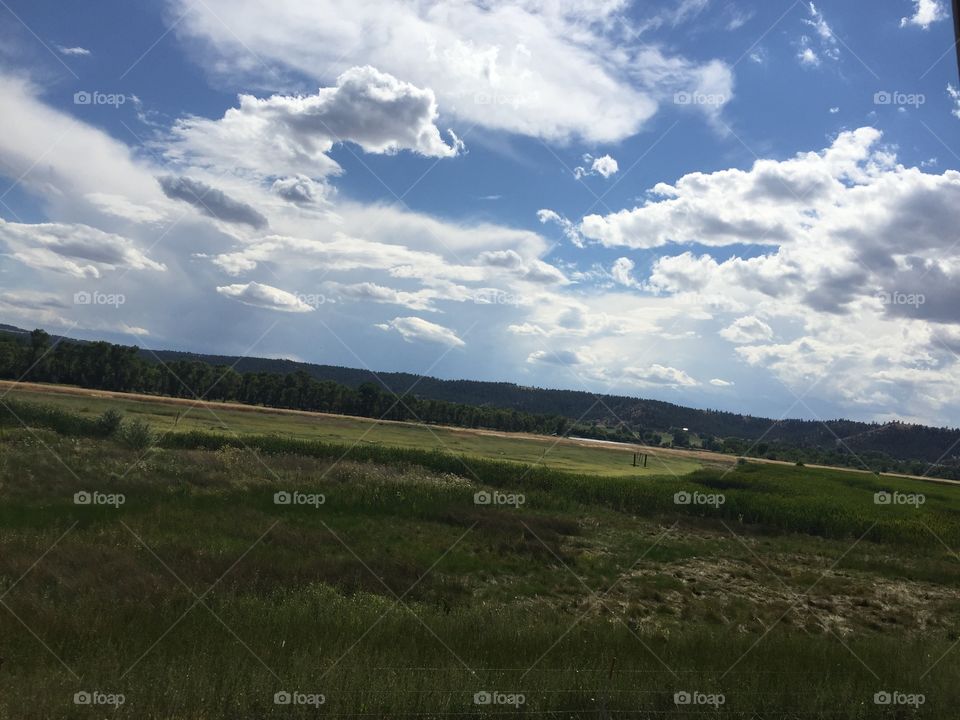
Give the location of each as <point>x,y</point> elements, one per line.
<point>724,204</point>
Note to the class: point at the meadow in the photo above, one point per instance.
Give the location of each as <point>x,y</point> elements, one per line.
<point>198,573</point>
<point>165,415</point>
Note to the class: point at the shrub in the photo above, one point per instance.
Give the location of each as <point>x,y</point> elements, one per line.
<point>109,423</point>
<point>136,434</point>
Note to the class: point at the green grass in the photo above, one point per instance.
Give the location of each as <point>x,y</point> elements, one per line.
<point>597,597</point>
<point>547,452</point>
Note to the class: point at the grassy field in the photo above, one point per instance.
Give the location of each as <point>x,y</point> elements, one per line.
<point>389,588</point>
<point>554,453</point>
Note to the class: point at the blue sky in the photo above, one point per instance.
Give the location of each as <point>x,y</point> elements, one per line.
<point>723,204</point>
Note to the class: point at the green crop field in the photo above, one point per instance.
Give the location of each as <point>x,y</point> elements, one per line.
<point>549,452</point>
<point>199,574</point>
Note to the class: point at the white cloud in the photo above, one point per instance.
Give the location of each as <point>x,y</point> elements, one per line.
<point>622,272</point>
<point>556,357</point>
<point>925,13</point>
<point>807,56</point>
<point>292,135</point>
<point>954,94</point>
<point>301,190</point>
<point>828,45</point>
<point>655,375</point>
<point>569,229</point>
<point>414,329</point>
<point>605,166</point>
<point>717,382</point>
<point>72,51</point>
<point>77,250</point>
<point>546,69</point>
<point>419,300</point>
<point>265,296</point>
<point>747,329</point>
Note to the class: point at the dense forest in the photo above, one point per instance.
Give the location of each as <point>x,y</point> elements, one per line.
<point>898,447</point>
<point>105,366</point>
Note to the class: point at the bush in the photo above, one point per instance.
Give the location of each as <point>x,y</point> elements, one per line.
<point>136,434</point>
<point>109,423</point>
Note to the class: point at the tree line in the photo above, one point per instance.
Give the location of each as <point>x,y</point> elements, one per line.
<point>106,366</point>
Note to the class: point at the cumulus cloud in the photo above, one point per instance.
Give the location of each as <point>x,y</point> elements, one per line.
<point>300,190</point>
<point>211,202</point>
<point>622,272</point>
<point>925,13</point>
<point>541,69</point>
<point>292,135</point>
<point>72,249</point>
<point>265,296</point>
<point>414,329</point>
<point>605,166</point>
<point>747,329</point>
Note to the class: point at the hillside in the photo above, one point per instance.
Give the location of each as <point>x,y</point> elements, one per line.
<point>750,434</point>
